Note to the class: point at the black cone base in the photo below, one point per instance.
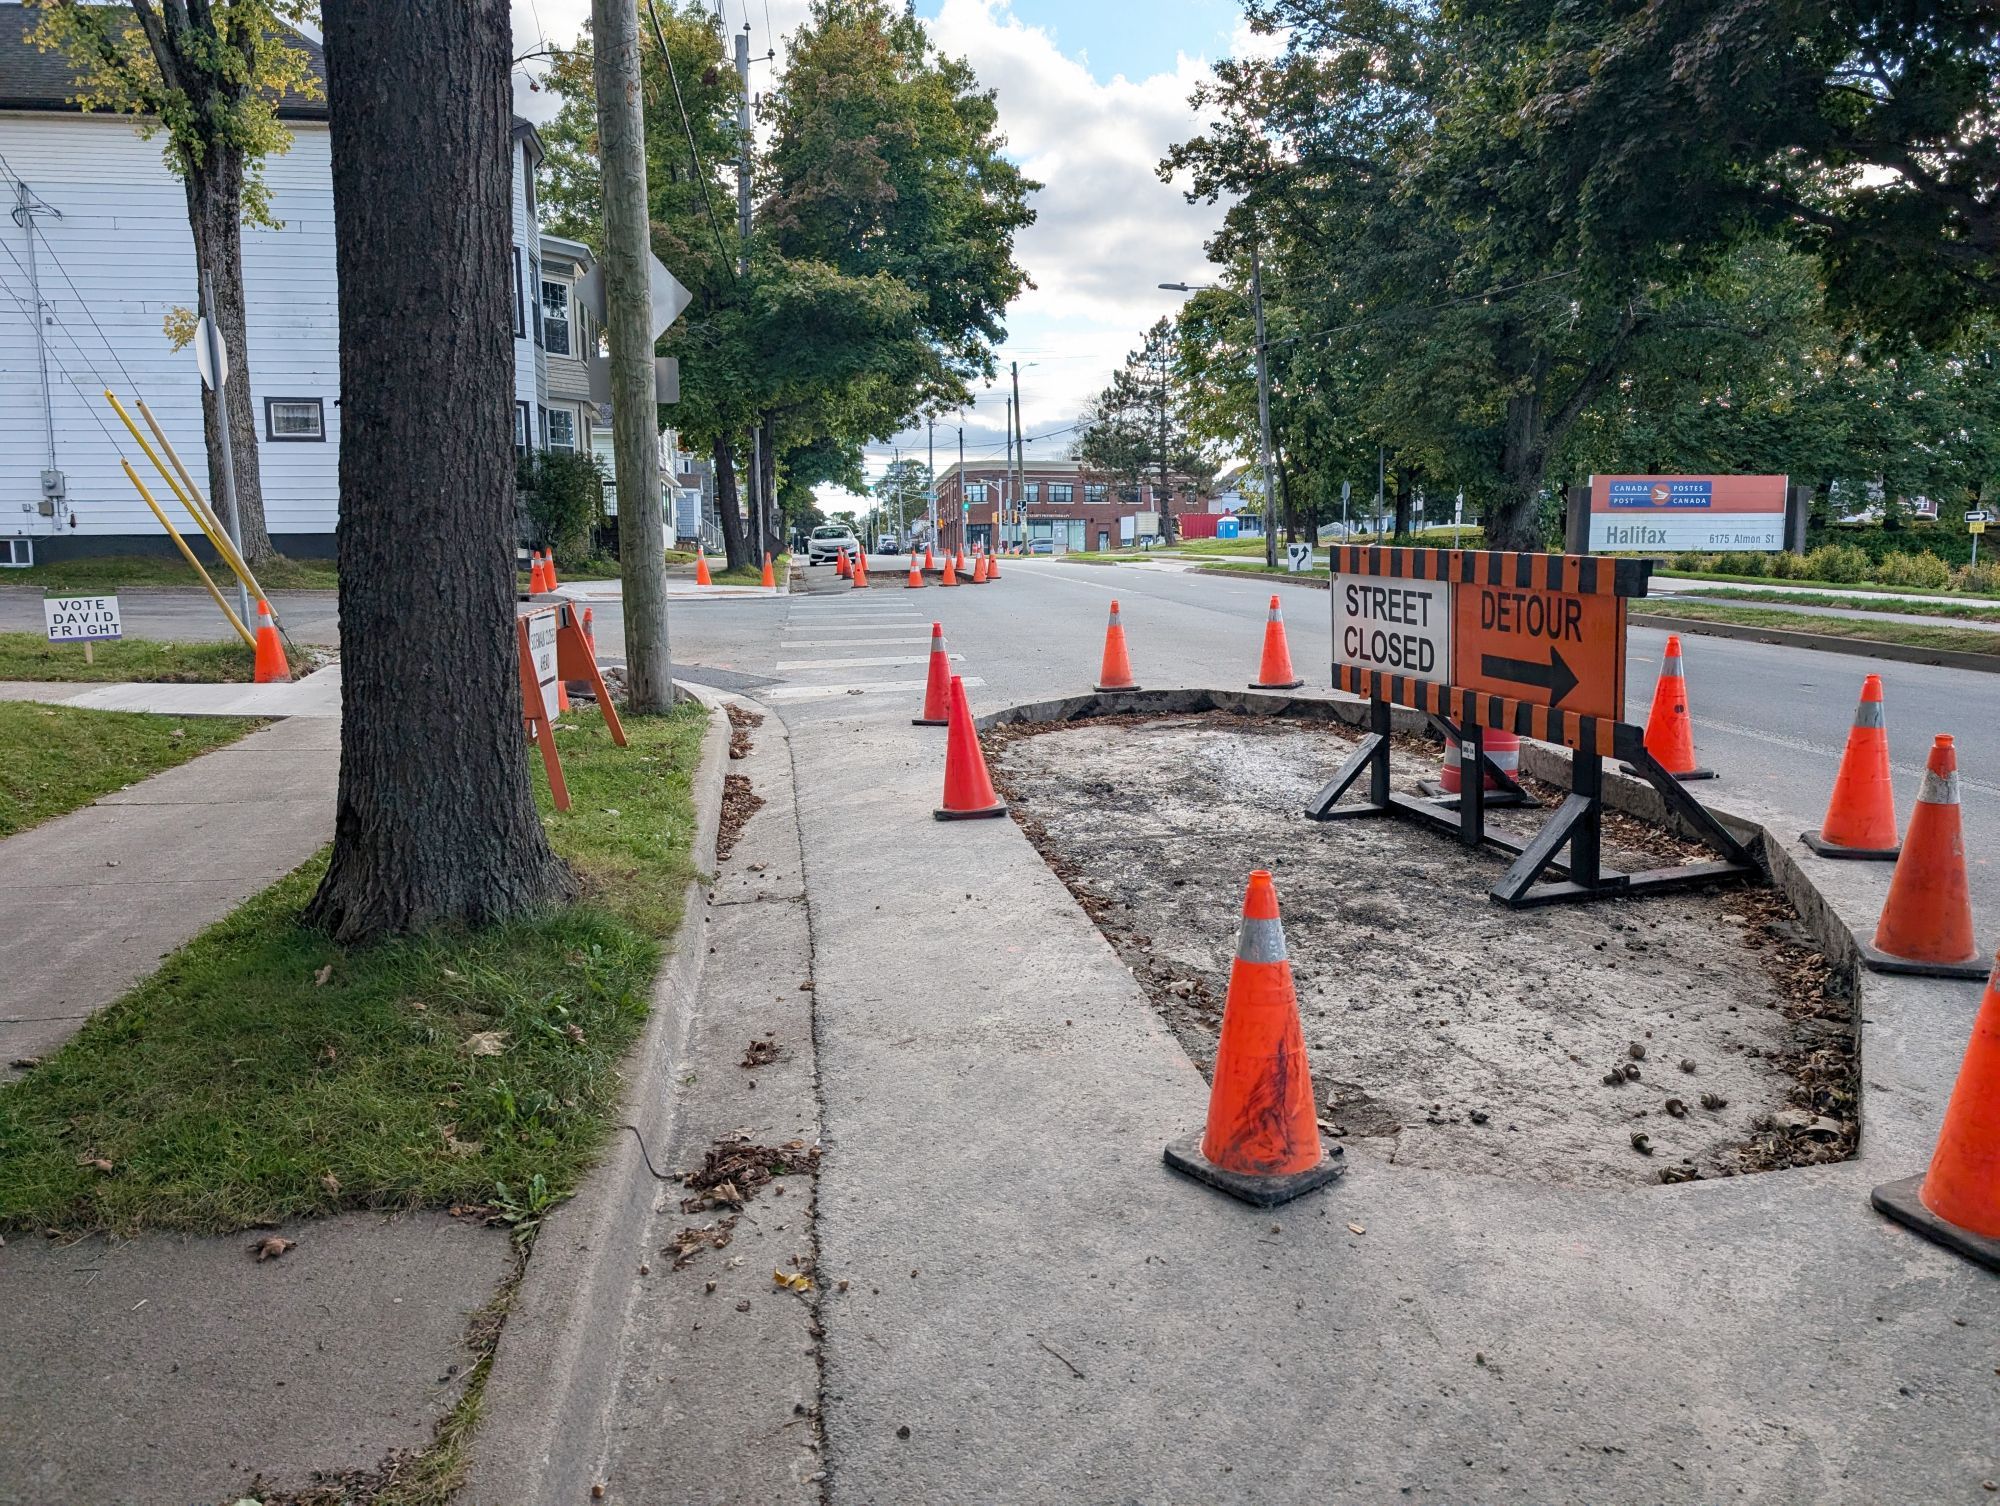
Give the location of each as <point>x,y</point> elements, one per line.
<point>1973,968</point>
<point>1826,849</point>
<point>983,813</point>
<point>1263,1192</point>
<point>1899,1200</point>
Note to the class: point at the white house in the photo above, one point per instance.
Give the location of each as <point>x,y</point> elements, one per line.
<point>95,246</point>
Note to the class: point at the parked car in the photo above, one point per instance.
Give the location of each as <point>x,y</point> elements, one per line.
<point>887,546</point>
<point>828,542</point>
<point>1042,546</point>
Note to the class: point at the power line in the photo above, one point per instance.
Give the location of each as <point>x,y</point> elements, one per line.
<point>694,152</point>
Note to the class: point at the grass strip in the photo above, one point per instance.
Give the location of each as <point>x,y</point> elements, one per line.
<point>1914,635</point>
<point>110,571</point>
<point>1978,610</point>
<point>1866,586</point>
<point>54,759</point>
<point>264,1073</point>
<point>30,656</point>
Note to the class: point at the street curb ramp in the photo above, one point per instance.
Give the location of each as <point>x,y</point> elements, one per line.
<point>544,1418</point>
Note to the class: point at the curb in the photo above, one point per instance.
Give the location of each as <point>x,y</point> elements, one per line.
<point>1864,648</point>
<point>543,1416</point>
<point>1313,582</point>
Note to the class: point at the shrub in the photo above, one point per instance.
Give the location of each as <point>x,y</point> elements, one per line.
<point>1788,566</point>
<point>1982,579</point>
<point>561,500</point>
<point>1741,564</point>
<point>1924,570</point>
<point>1838,562</point>
<point>1690,562</point>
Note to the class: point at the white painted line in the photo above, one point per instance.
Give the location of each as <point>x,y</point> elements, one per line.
<point>818,692</point>
<point>849,642</point>
<point>861,624</point>
<point>788,664</point>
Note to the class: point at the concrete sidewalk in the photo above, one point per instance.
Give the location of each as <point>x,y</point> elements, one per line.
<point>316,695</point>
<point>90,901</point>
<point>1028,1306</point>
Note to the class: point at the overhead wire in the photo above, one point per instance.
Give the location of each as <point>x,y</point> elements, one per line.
<point>694,152</point>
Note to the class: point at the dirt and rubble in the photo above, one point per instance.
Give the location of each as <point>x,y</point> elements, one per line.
<point>1667,1038</point>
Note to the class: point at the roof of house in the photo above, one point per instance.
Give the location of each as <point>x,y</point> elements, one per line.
<point>568,250</point>
<point>31,79</point>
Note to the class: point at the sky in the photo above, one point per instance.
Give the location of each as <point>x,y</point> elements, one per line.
<point>1092,93</point>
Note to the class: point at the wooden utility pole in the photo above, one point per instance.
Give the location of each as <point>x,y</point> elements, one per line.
<point>1020,456</point>
<point>1264,410</point>
<point>628,321</point>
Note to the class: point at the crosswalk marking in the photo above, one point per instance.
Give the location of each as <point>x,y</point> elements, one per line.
<point>871,687</point>
<point>870,663</point>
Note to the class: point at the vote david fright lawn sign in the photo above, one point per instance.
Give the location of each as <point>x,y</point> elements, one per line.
<point>82,619</point>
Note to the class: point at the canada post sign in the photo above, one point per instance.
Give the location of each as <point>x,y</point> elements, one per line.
<point>1688,512</point>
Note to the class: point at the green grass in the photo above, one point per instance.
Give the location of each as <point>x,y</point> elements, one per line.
<point>110,572</point>
<point>1869,586</point>
<point>30,656</point>
<point>232,1088</point>
<point>55,759</point>
<point>1966,609</point>
<point>1915,635</point>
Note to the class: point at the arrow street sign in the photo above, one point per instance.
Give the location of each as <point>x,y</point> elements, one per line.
<point>1551,675</point>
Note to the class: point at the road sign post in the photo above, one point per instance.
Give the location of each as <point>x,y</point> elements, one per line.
<point>1532,644</point>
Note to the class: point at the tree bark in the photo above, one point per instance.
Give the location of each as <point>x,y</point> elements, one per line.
<point>435,820</point>
<point>728,505</point>
<point>1404,494</point>
<point>635,412</point>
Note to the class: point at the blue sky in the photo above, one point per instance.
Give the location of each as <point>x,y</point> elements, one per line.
<point>1127,36</point>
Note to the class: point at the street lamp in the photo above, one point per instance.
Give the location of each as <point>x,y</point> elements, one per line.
<point>1263,400</point>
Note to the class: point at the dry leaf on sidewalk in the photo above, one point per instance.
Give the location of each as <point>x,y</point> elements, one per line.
<point>271,1246</point>
<point>797,1281</point>
<point>1357,1229</point>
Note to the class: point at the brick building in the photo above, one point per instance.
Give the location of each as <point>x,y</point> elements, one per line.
<point>1067,504</point>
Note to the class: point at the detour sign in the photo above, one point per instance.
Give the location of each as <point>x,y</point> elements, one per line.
<point>1548,647</point>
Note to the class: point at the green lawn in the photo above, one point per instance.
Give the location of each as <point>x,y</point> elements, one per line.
<point>1952,639</point>
<point>1866,586</point>
<point>54,759</point>
<point>234,1087</point>
<point>30,656</point>
<point>1964,608</point>
<point>111,571</point>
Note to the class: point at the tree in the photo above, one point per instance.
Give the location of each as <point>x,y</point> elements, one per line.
<point>435,820</point>
<point>902,496</point>
<point>209,74</point>
<point>1137,428</point>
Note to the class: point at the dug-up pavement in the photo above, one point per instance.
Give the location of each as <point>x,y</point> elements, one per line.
<point>1022,1304</point>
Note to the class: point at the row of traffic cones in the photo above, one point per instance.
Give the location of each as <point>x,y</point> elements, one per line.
<point>1274,671</point>
<point>541,572</point>
<point>984,567</point>
<point>702,577</point>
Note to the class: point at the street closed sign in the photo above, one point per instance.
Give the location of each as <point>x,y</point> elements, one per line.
<point>1396,627</point>
<point>81,619</point>
<point>1550,647</point>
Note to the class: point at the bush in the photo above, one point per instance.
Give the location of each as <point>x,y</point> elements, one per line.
<point>1788,566</point>
<point>1924,570</point>
<point>561,497</point>
<point>1982,579</point>
<point>1691,563</point>
<point>1741,564</point>
<point>1839,562</point>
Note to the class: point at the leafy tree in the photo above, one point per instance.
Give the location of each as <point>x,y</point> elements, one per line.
<point>208,75</point>
<point>902,496</point>
<point>1138,428</point>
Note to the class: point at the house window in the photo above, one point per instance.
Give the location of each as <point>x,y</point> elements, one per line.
<point>520,428</point>
<point>562,429</point>
<point>1095,493</point>
<point>975,491</point>
<point>520,307</point>
<point>1061,491</point>
<point>535,281</point>
<point>300,419</point>
<point>555,318</point>
<point>1034,491</point>
<point>541,428</point>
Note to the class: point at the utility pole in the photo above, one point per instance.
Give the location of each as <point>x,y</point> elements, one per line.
<point>1020,456</point>
<point>1000,508</point>
<point>628,322</point>
<point>1264,410</point>
<point>758,522</point>
<point>961,482</point>
<point>930,469</point>
<point>1381,487</point>
<point>26,207</point>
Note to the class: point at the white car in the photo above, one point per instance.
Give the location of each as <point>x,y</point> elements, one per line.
<point>828,542</point>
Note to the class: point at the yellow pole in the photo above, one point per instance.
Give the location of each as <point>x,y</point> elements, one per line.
<point>174,534</point>
<point>191,500</point>
<point>187,482</point>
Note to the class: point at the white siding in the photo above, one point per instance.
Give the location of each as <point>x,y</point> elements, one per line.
<point>528,381</point>
<point>124,243</point>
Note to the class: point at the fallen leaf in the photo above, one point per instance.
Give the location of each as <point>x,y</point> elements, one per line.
<point>331,1183</point>
<point>1357,1228</point>
<point>486,1043</point>
<point>25,1063</point>
<point>574,1031</point>
<point>271,1246</point>
<point>97,1162</point>
<point>320,977</point>
<point>457,1147</point>
<point>796,1281</point>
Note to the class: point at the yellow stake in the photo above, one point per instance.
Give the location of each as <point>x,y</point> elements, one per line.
<point>174,534</point>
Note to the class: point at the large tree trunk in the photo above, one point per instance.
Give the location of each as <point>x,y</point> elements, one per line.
<point>436,819</point>
<point>215,214</point>
<point>1405,495</point>
<point>729,506</point>
<point>1513,520</point>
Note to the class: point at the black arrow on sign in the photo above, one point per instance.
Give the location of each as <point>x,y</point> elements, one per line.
<point>1555,676</point>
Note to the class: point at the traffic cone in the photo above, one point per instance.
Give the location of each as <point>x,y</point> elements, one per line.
<point>860,572</point>
<point>937,684</point>
<point>963,569</point>
<point>1669,733</point>
<point>1276,671</point>
<point>1861,816</point>
<point>590,630</point>
<point>916,580</point>
<point>769,579</point>
<point>271,667</point>
<point>1116,671</point>
<point>701,575</point>
<point>950,576</point>
<point>1261,1142</point>
<point>840,570</point>
<point>1957,1202</point>
<point>979,576</point>
<point>549,569</point>
<point>537,582</point>
<point>1926,925</point>
<point>993,565</point>
<point>968,789</point>
<point>929,563</point>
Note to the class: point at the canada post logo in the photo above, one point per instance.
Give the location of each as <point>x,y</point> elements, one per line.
<point>1670,494</point>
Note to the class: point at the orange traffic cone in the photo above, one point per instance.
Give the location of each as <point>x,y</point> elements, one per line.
<point>1669,733</point>
<point>950,576</point>
<point>840,569</point>
<point>929,563</point>
<point>1116,671</point>
<point>769,579</point>
<point>1276,671</point>
<point>1861,816</point>
<point>549,580</point>
<point>860,572</point>
<point>937,684</point>
<point>1926,924</point>
<point>271,666</point>
<point>1957,1202</point>
<point>916,580</point>
<point>701,575</point>
<point>963,569</point>
<point>968,789</point>
<point>1261,1142</point>
<point>993,565</point>
<point>537,582</point>
<point>590,630</point>
<point>979,575</point>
